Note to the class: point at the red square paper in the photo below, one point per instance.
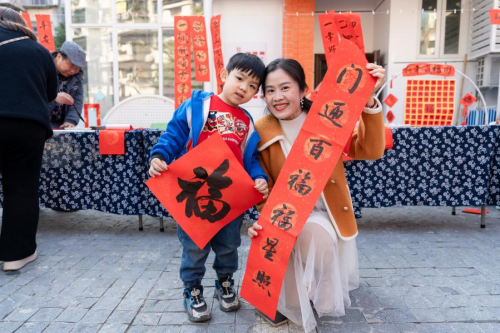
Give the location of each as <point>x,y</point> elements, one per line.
<point>468,100</point>
<point>205,190</point>
<point>390,100</point>
<point>495,16</point>
<point>112,142</point>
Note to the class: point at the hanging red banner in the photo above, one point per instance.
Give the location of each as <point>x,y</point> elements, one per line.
<point>200,48</point>
<point>495,16</point>
<point>467,101</point>
<point>27,18</point>
<point>217,49</point>
<point>428,69</point>
<point>357,31</point>
<point>182,60</point>
<point>329,34</point>
<point>202,190</point>
<point>328,126</point>
<point>344,26</point>
<point>44,28</point>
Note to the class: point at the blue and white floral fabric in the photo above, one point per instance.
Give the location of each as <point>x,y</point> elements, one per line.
<point>431,166</point>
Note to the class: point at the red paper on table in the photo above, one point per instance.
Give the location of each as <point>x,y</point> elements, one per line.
<point>200,48</point>
<point>495,16</point>
<point>44,28</point>
<point>182,60</point>
<point>321,140</point>
<point>205,190</point>
<point>329,34</point>
<point>217,49</point>
<point>112,142</point>
<point>418,69</point>
<point>357,31</point>
<point>86,108</point>
<point>27,18</point>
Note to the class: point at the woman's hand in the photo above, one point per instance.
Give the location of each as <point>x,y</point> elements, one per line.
<point>252,231</point>
<point>157,166</point>
<point>377,72</point>
<point>261,186</point>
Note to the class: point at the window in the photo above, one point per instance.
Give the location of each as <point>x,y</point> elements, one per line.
<point>440,28</point>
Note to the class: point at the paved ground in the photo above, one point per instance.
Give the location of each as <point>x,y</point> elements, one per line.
<point>422,269</point>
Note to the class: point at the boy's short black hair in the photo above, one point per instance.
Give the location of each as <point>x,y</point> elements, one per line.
<point>247,63</point>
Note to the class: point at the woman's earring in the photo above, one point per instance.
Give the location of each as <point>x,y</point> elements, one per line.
<point>302,103</point>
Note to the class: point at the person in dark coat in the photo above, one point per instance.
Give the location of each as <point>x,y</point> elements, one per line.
<point>28,82</point>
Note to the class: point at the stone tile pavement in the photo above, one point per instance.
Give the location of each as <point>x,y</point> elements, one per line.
<point>422,270</point>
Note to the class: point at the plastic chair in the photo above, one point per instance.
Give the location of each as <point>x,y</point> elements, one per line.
<point>141,111</point>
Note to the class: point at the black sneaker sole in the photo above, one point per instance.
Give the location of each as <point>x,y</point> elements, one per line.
<point>231,309</point>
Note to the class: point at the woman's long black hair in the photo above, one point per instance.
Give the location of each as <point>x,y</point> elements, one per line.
<point>293,68</point>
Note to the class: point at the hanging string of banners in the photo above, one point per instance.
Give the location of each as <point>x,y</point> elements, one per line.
<point>217,50</point>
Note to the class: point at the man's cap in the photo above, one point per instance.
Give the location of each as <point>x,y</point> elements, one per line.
<point>74,53</point>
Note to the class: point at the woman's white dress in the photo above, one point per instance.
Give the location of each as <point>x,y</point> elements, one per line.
<point>322,268</point>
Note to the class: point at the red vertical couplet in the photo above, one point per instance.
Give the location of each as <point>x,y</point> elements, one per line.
<point>329,34</point>
<point>27,18</point>
<point>217,49</point>
<point>200,48</point>
<point>44,28</point>
<point>328,126</point>
<point>182,60</point>
<point>357,31</point>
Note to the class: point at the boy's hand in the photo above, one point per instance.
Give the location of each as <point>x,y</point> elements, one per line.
<point>261,186</point>
<point>252,231</point>
<point>157,166</point>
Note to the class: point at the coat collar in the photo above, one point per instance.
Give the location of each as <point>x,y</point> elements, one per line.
<point>269,130</point>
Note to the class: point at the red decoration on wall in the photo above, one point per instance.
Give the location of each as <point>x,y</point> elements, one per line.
<point>495,16</point>
<point>428,69</point>
<point>467,101</point>
<point>390,116</point>
<point>390,100</point>
<point>44,28</point>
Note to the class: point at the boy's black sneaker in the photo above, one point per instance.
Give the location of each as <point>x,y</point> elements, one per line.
<point>195,305</point>
<point>228,300</point>
<point>278,320</point>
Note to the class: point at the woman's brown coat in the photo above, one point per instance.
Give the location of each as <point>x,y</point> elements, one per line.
<point>367,143</point>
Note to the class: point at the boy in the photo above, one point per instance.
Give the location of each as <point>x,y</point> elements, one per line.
<point>194,121</point>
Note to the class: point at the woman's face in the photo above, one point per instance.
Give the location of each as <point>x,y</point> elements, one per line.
<point>283,95</point>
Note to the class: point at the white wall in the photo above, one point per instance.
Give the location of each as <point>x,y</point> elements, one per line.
<point>256,21</point>
<point>403,49</point>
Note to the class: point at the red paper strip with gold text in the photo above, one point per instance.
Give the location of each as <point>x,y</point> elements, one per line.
<point>203,189</point>
<point>112,142</point>
<point>418,69</point>
<point>494,16</point>
<point>329,34</point>
<point>27,18</point>
<point>200,48</point>
<point>217,49</point>
<point>182,60</point>
<point>357,31</point>
<point>97,108</point>
<point>329,124</point>
<point>44,28</point>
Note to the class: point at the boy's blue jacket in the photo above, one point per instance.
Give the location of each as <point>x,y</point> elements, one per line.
<point>187,123</point>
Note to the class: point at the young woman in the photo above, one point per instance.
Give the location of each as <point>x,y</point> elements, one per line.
<point>323,266</point>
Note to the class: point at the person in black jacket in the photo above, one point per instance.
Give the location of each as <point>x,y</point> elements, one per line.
<point>28,82</point>
<point>65,110</point>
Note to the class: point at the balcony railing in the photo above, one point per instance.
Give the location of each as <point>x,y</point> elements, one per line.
<point>40,3</point>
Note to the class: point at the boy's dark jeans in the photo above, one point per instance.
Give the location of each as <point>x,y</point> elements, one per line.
<point>225,245</point>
